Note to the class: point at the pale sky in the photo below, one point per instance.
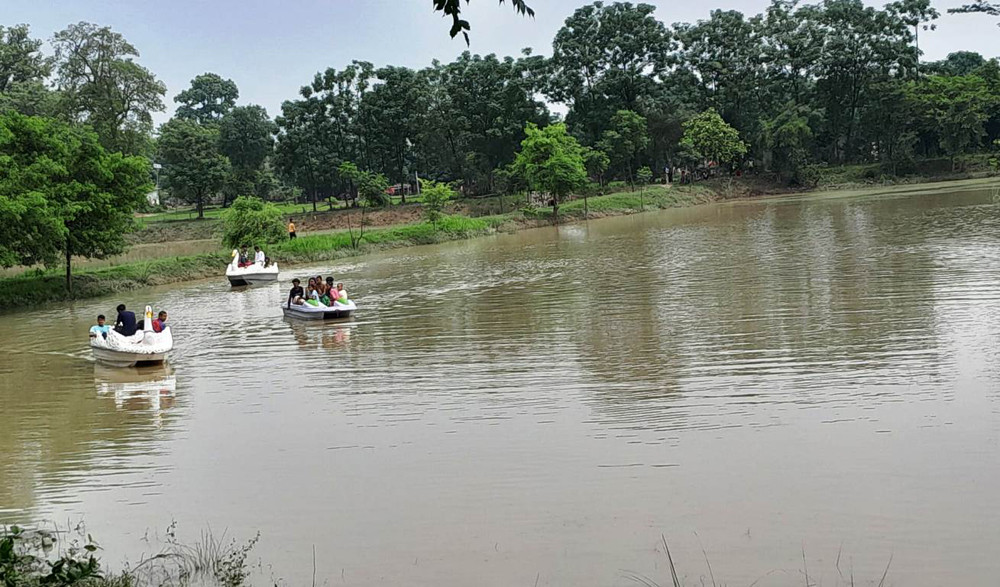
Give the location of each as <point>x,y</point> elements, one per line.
<point>271,48</point>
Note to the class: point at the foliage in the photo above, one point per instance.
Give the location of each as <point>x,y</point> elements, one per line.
<point>788,138</point>
<point>978,6</point>
<point>955,107</point>
<point>209,98</point>
<point>552,162</point>
<point>24,560</point>
<point>246,138</point>
<point>607,58</point>
<point>21,59</point>
<point>596,162</point>
<point>103,86</point>
<point>251,221</point>
<point>62,192</point>
<point>453,8</point>
<point>435,197</point>
<point>710,136</point>
<point>193,168</point>
<point>625,141</point>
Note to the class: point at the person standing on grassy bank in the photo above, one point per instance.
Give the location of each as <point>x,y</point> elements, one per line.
<point>291,229</point>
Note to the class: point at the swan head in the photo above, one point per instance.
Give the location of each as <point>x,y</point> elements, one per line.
<point>235,253</point>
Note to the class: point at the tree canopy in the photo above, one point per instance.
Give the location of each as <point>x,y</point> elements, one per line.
<point>101,85</point>
<point>62,194</point>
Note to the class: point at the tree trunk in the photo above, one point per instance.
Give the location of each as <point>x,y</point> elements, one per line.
<point>201,208</point>
<point>69,272</point>
<point>314,201</point>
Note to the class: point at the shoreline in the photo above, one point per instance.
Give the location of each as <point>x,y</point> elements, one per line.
<point>36,287</point>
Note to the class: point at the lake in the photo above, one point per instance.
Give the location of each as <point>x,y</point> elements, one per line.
<point>807,384</point>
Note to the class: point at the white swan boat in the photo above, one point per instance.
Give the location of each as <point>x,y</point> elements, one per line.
<point>251,274</point>
<point>305,311</point>
<point>142,348</point>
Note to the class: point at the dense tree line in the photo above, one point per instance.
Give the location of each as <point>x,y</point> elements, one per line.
<point>829,83</point>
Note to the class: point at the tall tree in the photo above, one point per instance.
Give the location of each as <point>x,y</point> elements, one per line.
<point>65,193</point>
<point>625,141</point>
<point>605,58</point>
<point>193,168</point>
<point>103,86</point>
<point>246,138</point>
<point>209,98</point>
<point>21,59</point>
<point>23,70</point>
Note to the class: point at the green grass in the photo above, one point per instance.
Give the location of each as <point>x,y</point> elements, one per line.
<point>338,244</point>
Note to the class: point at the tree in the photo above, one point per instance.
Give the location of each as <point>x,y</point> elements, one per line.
<point>552,162</point>
<point>436,195</point>
<point>606,58</point>
<point>372,188</point>
<point>103,86</point>
<point>978,6</point>
<point>21,59</point>
<point>713,139</point>
<point>23,70</point>
<point>915,13</point>
<point>208,99</point>
<point>251,221</point>
<point>453,8</point>
<point>956,108</point>
<point>787,138</point>
<point>246,138</point>
<point>625,140</point>
<point>64,193</point>
<point>643,177</point>
<point>193,168</point>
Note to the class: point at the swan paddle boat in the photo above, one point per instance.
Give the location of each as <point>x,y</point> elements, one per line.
<point>307,311</point>
<point>251,274</point>
<point>142,348</point>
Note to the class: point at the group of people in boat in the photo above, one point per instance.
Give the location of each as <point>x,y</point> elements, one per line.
<point>126,324</point>
<point>259,258</point>
<point>317,291</point>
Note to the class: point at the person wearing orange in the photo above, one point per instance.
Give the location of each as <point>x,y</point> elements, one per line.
<point>291,229</point>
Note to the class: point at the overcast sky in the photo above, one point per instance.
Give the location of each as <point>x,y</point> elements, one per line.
<point>271,48</point>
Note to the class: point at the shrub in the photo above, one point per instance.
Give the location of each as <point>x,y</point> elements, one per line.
<point>251,221</point>
<point>435,196</point>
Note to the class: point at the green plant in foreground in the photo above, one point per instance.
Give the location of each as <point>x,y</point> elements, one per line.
<point>24,561</point>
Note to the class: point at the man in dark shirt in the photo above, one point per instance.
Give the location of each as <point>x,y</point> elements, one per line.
<point>125,323</point>
<point>296,294</point>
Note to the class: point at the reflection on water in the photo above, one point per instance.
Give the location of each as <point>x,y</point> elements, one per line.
<point>758,378</point>
<point>139,388</point>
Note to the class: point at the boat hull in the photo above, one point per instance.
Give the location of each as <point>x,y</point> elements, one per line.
<point>126,359</point>
<point>299,313</point>
<point>252,279</point>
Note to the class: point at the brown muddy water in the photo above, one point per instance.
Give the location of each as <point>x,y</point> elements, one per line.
<point>760,382</point>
